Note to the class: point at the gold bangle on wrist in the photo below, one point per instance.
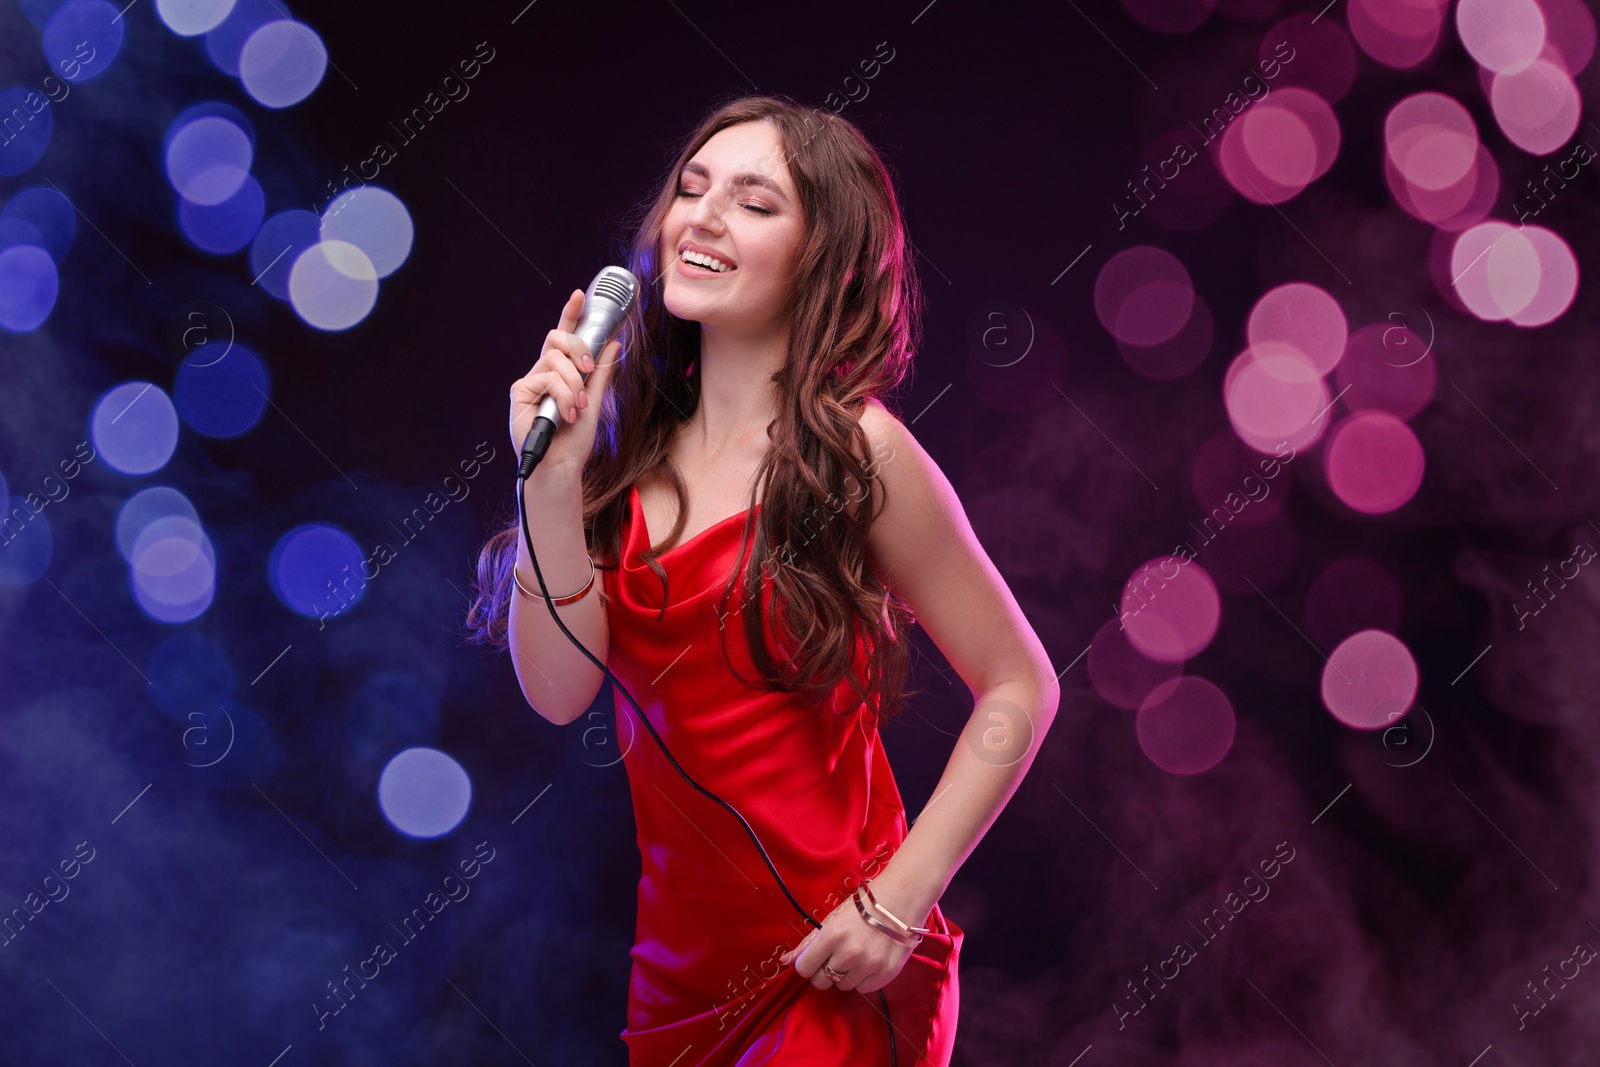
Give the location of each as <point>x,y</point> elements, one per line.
<point>873,921</point>
<point>558,601</point>
<point>891,916</point>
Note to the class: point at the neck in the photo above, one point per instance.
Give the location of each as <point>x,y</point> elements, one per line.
<point>735,369</point>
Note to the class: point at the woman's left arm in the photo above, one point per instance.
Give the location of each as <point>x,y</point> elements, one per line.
<point>923,548</point>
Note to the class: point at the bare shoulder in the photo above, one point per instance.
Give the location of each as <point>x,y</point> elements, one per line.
<point>914,501</point>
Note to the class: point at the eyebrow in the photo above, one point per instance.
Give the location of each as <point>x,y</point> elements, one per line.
<point>744,177</point>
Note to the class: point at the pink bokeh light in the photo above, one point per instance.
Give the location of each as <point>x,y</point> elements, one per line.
<point>1304,317</point>
<point>1170,609</point>
<point>1569,33</point>
<point>1274,393</point>
<point>1170,16</point>
<point>1186,726</point>
<point>1536,105</point>
<point>1374,463</point>
<point>1228,475</point>
<point>1143,295</point>
<point>1278,147</point>
<point>1120,673</point>
<point>1389,368</point>
<point>1526,274</point>
<point>1558,279</point>
<point>1324,59</point>
<point>1396,33</point>
<point>1454,207</point>
<point>1500,34</point>
<point>1370,680</point>
<point>1431,139</point>
<point>1178,355</point>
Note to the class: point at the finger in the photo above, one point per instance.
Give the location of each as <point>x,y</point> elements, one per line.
<point>570,311</point>
<point>797,954</point>
<point>566,369</point>
<point>570,345</point>
<point>548,383</point>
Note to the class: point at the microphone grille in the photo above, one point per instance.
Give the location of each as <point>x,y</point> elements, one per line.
<point>617,285</point>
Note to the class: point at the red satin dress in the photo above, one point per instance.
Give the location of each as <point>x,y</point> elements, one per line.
<point>706,988</point>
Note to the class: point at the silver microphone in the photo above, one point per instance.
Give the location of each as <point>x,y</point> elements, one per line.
<point>605,304</point>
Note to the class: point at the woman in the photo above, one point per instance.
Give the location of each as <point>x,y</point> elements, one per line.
<point>777,302</point>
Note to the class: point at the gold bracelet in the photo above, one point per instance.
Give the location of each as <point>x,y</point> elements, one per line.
<point>891,916</point>
<point>871,920</point>
<point>558,601</point>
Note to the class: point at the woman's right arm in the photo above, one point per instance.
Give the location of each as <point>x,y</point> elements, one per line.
<point>557,679</point>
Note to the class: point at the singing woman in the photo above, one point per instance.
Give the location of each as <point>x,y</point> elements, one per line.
<point>766,531</point>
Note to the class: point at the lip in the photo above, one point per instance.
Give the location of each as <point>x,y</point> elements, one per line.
<point>690,246</point>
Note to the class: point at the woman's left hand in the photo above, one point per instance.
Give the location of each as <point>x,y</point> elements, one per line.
<point>869,958</point>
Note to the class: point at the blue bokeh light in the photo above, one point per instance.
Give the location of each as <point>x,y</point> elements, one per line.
<point>25,128</point>
<point>224,43</point>
<point>174,570</point>
<point>189,673</point>
<point>278,245</point>
<point>333,285</point>
<point>134,427</point>
<point>222,397</point>
<point>189,18</point>
<point>145,507</point>
<point>19,232</point>
<point>424,793</point>
<point>315,569</point>
<point>226,227</point>
<point>39,11</point>
<point>26,543</point>
<point>28,287</point>
<point>49,213</point>
<point>83,38</point>
<point>282,63</point>
<point>208,158</point>
<point>375,221</point>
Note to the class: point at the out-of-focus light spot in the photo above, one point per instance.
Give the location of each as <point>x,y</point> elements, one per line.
<point>1170,609</point>
<point>82,39</point>
<point>424,793</point>
<point>1186,726</point>
<point>221,397</point>
<point>39,11</point>
<point>188,18</point>
<point>1536,105</point>
<point>282,62</point>
<point>226,227</point>
<point>1558,279</point>
<point>333,285</point>
<point>135,427</point>
<point>391,710</point>
<point>1431,139</point>
<point>1275,394</point>
<point>1500,34</point>
<point>27,130</point>
<point>19,232</point>
<point>1389,368</point>
<point>1370,680</point>
<point>1304,317</point>
<point>375,221</point>
<point>1351,594</point>
<point>1374,462</point>
<point>224,43</point>
<point>1279,146</point>
<point>1170,16</point>
<point>1322,59</point>
<point>278,244</point>
<point>1454,207</point>
<point>1525,274</point>
<point>316,568</point>
<point>26,543</point>
<point>174,570</point>
<point>145,507</point>
<point>1143,295</point>
<point>1234,484</point>
<point>28,287</point>
<point>208,159</point>
<point>1179,354</point>
<point>188,673</point>
<point>1120,673</point>
<point>49,213</point>
<point>1397,33</point>
<point>1569,33</point>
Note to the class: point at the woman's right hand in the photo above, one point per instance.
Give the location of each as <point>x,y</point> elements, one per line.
<point>559,373</point>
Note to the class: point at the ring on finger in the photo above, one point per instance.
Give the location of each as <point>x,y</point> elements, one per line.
<point>833,975</point>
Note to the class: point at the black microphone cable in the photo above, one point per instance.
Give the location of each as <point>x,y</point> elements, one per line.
<point>527,537</point>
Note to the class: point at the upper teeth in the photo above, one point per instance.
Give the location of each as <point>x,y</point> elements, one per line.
<point>703,260</point>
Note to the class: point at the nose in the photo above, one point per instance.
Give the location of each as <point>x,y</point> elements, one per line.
<point>706,214</point>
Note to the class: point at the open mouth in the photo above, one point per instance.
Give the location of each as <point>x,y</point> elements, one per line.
<point>705,262</point>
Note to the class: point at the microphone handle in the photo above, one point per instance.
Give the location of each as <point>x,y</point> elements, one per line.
<point>596,337</point>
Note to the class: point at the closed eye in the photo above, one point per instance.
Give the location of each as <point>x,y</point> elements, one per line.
<point>758,209</point>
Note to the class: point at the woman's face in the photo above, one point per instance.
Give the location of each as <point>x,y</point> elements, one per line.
<point>736,203</point>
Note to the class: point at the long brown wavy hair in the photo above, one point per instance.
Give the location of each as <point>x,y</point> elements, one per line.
<point>854,308</point>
